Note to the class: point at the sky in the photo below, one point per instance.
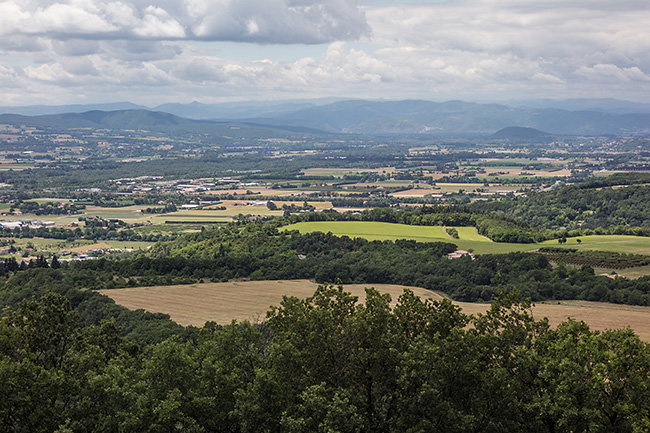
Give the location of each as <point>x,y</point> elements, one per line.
<point>158,51</point>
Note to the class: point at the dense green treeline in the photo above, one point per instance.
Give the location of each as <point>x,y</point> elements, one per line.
<point>47,208</point>
<point>590,207</point>
<point>259,251</point>
<point>603,259</point>
<point>91,307</point>
<point>326,363</point>
<point>94,233</point>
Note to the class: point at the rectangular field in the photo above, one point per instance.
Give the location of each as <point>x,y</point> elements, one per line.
<point>372,230</point>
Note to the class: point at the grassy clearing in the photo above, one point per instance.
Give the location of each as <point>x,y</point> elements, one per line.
<point>615,243</point>
<point>195,304</point>
<point>630,273</point>
<point>482,247</point>
<point>468,236</point>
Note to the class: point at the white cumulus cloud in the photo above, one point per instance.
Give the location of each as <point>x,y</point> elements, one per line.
<point>443,49</point>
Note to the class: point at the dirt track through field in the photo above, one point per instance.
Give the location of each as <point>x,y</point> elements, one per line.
<point>194,304</point>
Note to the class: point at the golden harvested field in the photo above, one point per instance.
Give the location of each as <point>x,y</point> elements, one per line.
<point>316,204</point>
<point>598,315</point>
<point>195,304</point>
<point>341,171</point>
<point>512,172</point>
<point>420,191</point>
<point>85,248</point>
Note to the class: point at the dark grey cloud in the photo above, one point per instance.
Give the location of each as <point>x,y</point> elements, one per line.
<point>76,47</point>
<point>278,21</point>
<point>140,51</point>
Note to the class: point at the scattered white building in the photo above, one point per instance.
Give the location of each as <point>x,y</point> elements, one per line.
<point>458,254</point>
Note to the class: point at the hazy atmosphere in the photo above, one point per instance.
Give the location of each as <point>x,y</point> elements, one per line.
<point>156,51</point>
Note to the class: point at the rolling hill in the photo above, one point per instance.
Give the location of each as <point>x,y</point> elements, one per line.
<point>410,117</point>
<point>145,120</point>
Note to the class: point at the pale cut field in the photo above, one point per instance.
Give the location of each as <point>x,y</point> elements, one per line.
<point>85,248</point>
<point>342,171</point>
<point>420,191</point>
<point>196,304</point>
<point>514,172</point>
<point>316,204</point>
<point>110,245</point>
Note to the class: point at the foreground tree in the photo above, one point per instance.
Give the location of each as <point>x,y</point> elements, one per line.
<point>328,363</point>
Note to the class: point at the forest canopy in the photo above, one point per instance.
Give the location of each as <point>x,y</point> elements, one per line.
<point>325,363</point>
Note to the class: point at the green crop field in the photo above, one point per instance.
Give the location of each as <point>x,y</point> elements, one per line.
<point>469,239</point>
<point>373,230</point>
<point>470,234</point>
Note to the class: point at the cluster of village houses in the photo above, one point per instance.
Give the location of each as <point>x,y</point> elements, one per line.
<point>149,183</point>
<point>19,224</point>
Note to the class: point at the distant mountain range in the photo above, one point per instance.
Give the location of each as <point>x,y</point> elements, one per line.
<point>605,105</point>
<point>453,118</point>
<point>154,121</point>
